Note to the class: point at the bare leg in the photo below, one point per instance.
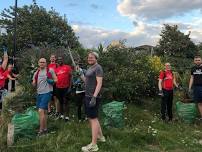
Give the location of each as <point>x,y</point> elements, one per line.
<point>94,129</point>
<point>200,108</point>
<point>45,119</point>
<point>41,117</point>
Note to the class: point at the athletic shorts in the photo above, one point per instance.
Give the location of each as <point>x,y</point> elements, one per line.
<point>91,112</point>
<point>197,92</point>
<point>42,100</point>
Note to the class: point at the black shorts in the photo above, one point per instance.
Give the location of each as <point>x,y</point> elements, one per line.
<point>197,92</point>
<point>62,94</point>
<point>91,112</point>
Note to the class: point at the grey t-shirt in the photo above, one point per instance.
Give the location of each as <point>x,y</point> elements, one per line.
<point>42,85</point>
<point>91,82</point>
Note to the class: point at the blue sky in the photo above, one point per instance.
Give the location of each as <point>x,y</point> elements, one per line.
<point>137,21</point>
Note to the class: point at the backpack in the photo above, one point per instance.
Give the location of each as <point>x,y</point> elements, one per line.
<point>48,74</point>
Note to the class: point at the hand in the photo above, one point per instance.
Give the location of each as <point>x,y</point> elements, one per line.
<point>5,49</point>
<point>160,93</point>
<point>92,102</point>
<point>50,81</point>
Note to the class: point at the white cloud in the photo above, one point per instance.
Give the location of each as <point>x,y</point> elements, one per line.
<point>157,9</point>
<point>92,37</point>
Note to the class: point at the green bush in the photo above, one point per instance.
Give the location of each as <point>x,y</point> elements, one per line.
<point>129,76</point>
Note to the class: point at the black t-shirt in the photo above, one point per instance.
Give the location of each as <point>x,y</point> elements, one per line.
<point>196,71</point>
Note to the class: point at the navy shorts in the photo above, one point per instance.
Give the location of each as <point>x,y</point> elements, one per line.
<point>197,92</point>
<point>91,112</point>
<point>42,100</point>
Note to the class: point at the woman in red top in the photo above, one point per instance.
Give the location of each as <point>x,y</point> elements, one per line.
<point>166,83</point>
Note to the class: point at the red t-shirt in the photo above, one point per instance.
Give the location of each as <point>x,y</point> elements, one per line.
<point>3,77</point>
<point>64,76</point>
<point>52,66</point>
<point>167,78</point>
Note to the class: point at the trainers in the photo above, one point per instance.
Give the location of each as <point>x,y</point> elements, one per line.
<point>90,148</point>
<point>62,116</point>
<point>66,119</point>
<point>102,139</point>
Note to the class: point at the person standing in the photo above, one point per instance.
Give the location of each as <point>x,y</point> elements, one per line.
<point>93,83</point>
<point>3,76</point>
<point>54,101</point>
<point>196,82</point>
<point>166,84</point>
<point>79,89</point>
<point>43,79</point>
<point>63,87</point>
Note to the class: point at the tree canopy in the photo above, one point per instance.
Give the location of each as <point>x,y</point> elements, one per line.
<point>175,43</point>
<point>37,26</point>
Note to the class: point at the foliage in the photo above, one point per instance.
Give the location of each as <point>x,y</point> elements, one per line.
<point>175,43</point>
<point>129,76</point>
<point>37,26</point>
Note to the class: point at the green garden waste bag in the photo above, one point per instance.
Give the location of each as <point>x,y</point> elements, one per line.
<point>187,112</point>
<point>25,124</point>
<point>113,114</point>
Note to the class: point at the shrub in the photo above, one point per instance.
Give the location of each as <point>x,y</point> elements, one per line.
<point>129,76</point>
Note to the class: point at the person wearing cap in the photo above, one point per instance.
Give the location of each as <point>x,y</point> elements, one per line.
<point>93,83</point>
<point>3,74</point>
<point>166,84</point>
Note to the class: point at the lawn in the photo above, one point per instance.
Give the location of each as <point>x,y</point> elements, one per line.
<point>143,132</point>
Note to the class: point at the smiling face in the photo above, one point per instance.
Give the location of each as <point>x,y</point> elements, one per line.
<point>92,59</point>
<point>52,58</point>
<point>42,63</point>
<point>167,66</point>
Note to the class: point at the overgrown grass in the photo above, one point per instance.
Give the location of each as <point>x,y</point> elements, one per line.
<point>143,132</point>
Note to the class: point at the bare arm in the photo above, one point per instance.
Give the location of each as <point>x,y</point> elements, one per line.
<point>9,76</point>
<point>191,82</point>
<point>5,60</point>
<point>174,81</point>
<point>98,86</point>
<point>160,84</point>
<point>33,80</point>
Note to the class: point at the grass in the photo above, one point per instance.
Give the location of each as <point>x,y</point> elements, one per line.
<point>143,132</point>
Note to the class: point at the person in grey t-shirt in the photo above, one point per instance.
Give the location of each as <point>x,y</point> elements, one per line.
<point>43,79</point>
<point>93,83</point>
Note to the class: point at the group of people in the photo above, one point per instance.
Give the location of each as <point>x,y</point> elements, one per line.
<point>6,74</point>
<point>167,82</point>
<point>54,81</point>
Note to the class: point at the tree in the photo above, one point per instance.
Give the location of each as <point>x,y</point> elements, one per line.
<point>175,43</point>
<point>37,26</point>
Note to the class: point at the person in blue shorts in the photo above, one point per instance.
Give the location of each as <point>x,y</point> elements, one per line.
<point>43,80</point>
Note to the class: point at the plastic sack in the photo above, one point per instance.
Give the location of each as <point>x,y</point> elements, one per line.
<point>25,125</point>
<point>187,112</point>
<point>113,114</point>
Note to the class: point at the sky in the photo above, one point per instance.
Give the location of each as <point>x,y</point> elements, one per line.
<point>139,22</point>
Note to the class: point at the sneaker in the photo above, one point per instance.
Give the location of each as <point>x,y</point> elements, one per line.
<point>62,116</point>
<point>66,119</point>
<point>90,148</point>
<point>40,133</point>
<point>101,139</point>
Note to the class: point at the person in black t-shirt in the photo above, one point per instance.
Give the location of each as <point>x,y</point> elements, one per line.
<point>196,82</point>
